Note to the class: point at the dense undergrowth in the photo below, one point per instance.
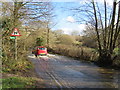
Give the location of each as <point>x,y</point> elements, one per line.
<point>13,66</point>
<point>19,67</point>
<point>82,53</point>
<point>18,74</point>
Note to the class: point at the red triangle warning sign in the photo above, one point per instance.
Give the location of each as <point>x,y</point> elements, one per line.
<point>15,32</point>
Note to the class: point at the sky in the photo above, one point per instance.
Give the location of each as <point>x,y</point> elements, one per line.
<point>65,19</point>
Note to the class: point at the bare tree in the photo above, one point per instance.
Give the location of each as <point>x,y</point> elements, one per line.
<point>11,18</point>
<point>106,33</point>
<point>16,14</point>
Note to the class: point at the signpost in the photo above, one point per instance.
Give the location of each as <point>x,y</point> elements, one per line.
<point>15,32</point>
<point>14,35</point>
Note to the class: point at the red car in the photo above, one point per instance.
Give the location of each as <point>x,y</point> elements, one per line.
<point>40,50</point>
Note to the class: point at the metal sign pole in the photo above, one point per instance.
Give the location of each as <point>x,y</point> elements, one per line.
<point>14,35</point>
<point>16,48</point>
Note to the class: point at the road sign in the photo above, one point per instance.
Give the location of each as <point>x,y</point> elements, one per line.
<point>13,37</point>
<point>15,32</point>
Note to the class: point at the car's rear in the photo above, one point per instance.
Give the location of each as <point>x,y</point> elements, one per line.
<point>42,50</point>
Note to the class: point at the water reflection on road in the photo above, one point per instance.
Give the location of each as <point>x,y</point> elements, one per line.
<point>61,71</point>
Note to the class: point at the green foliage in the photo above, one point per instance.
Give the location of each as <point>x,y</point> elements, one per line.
<point>66,39</point>
<point>17,82</point>
<point>40,41</point>
<point>13,66</point>
<point>117,51</point>
<point>6,23</point>
<point>77,43</point>
<point>117,60</point>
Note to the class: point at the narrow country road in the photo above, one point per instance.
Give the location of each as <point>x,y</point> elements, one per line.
<point>63,72</point>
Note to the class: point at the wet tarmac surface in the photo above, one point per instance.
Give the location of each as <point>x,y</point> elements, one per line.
<point>64,72</point>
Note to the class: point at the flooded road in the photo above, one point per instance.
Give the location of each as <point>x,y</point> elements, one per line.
<point>63,72</point>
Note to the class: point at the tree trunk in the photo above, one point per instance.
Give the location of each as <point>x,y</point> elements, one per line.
<point>48,31</point>
<point>105,54</point>
<point>105,58</point>
<point>96,27</point>
<point>112,27</point>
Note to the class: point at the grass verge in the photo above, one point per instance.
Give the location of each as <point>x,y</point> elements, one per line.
<point>20,74</point>
<point>18,82</point>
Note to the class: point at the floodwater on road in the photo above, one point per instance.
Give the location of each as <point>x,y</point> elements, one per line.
<point>64,72</point>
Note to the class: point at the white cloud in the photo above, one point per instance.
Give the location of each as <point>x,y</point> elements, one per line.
<point>67,30</point>
<point>84,1</point>
<point>81,26</point>
<point>73,27</point>
<point>70,19</point>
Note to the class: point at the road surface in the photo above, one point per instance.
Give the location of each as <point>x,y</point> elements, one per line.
<point>64,72</point>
